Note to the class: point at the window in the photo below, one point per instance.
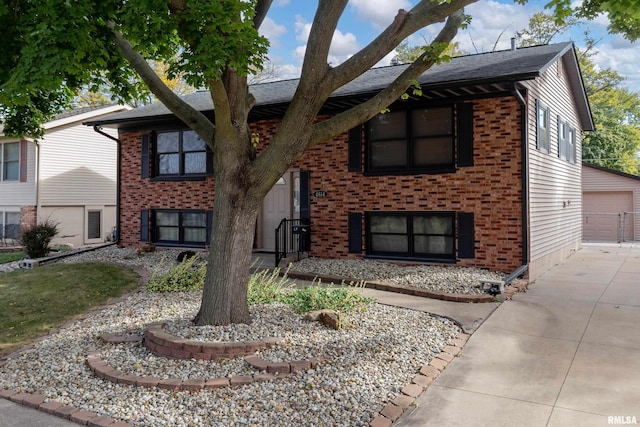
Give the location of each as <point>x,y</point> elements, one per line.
<point>9,225</point>
<point>180,153</point>
<point>10,161</point>
<point>566,141</point>
<point>542,121</point>
<point>94,224</point>
<point>411,234</point>
<point>181,227</point>
<point>411,140</point>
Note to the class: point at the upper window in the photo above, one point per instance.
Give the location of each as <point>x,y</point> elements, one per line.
<point>10,161</point>
<point>566,141</point>
<point>542,122</point>
<point>411,234</point>
<point>411,140</point>
<point>179,153</point>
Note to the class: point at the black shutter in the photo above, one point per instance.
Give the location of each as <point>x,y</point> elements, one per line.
<point>209,161</point>
<point>466,240</point>
<point>355,149</point>
<point>144,226</point>
<point>355,233</point>
<point>209,226</point>
<point>465,134</point>
<point>305,195</point>
<point>144,157</point>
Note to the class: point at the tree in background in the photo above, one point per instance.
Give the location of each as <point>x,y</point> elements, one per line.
<point>615,143</point>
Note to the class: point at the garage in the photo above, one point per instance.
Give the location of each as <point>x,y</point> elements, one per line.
<point>610,205</point>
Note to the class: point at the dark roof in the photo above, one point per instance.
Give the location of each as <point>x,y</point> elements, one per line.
<point>470,75</point>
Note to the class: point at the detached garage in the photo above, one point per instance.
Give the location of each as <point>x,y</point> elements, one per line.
<point>610,205</point>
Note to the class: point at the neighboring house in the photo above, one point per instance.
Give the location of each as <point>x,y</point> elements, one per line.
<point>610,205</point>
<point>68,177</point>
<point>482,170</point>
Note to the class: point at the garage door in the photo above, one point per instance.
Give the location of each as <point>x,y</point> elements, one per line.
<point>602,215</point>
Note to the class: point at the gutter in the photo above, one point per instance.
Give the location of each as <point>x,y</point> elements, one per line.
<point>525,183</point>
<point>99,130</point>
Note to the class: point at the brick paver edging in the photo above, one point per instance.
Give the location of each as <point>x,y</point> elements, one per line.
<point>390,287</point>
<point>37,401</point>
<point>428,373</point>
<point>270,371</point>
<point>159,342</point>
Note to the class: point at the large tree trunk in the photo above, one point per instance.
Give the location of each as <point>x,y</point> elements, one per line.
<point>224,299</point>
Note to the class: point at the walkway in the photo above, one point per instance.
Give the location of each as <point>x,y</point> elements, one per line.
<point>565,353</point>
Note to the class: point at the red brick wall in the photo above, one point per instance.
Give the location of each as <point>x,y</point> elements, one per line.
<point>28,217</point>
<point>138,193</point>
<point>491,189</point>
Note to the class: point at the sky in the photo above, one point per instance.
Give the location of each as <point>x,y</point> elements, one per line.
<point>493,24</point>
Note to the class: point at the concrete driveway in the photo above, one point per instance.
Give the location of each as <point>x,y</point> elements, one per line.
<point>565,353</point>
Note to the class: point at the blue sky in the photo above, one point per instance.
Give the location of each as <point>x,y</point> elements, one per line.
<point>494,23</point>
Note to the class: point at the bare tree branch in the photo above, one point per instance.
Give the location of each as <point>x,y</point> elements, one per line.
<point>325,130</point>
<point>189,115</point>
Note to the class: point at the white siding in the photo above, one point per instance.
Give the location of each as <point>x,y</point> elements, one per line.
<point>78,167</point>
<point>555,197</point>
<point>15,193</point>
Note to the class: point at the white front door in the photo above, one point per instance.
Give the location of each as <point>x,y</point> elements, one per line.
<point>276,206</point>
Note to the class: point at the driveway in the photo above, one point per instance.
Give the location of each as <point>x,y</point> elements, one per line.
<point>565,353</point>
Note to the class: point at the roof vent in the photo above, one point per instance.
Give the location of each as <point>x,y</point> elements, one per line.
<point>513,43</point>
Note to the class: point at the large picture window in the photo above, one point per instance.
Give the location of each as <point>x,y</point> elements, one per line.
<point>10,161</point>
<point>411,140</point>
<point>411,234</point>
<point>181,227</point>
<point>179,153</point>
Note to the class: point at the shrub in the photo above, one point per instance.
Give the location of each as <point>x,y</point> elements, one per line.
<point>266,288</point>
<point>37,238</point>
<point>317,297</point>
<point>188,275</point>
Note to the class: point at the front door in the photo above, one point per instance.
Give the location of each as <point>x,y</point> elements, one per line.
<point>276,206</point>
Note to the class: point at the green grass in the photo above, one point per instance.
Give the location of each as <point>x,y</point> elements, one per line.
<point>10,256</point>
<point>34,301</point>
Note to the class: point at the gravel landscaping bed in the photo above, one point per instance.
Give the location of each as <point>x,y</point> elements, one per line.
<point>367,363</point>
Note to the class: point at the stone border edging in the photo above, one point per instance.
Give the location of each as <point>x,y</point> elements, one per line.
<point>389,287</point>
<point>160,342</point>
<point>53,407</point>
<point>428,373</point>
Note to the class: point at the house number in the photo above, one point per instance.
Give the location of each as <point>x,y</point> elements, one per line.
<point>320,194</point>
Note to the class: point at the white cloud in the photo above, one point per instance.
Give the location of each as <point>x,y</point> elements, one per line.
<point>379,13</point>
<point>272,31</point>
<point>343,45</point>
<point>623,57</point>
<point>303,28</point>
<point>282,2</point>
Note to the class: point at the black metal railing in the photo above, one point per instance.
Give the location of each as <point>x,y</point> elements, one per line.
<point>292,235</point>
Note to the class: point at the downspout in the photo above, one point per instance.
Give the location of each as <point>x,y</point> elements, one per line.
<point>99,130</point>
<point>525,183</point>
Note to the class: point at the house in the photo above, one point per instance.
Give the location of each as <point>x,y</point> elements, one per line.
<point>68,177</point>
<point>482,169</point>
<point>610,205</point>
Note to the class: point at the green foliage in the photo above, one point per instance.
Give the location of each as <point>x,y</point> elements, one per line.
<point>267,287</point>
<point>6,257</point>
<point>36,239</point>
<point>189,275</point>
<point>343,299</point>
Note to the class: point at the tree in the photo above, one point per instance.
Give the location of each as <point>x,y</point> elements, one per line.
<point>616,111</point>
<point>55,47</point>
<point>406,54</point>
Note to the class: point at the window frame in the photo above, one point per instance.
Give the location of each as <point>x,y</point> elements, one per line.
<point>89,223</point>
<point>4,162</point>
<point>543,139</point>
<point>410,138</point>
<point>566,141</point>
<point>4,224</point>
<point>181,228</point>
<point>181,153</point>
<point>411,254</point>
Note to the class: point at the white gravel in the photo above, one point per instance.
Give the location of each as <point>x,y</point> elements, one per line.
<point>368,362</point>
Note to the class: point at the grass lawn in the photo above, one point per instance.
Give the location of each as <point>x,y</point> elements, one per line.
<point>34,301</point>
<point>10,256</point>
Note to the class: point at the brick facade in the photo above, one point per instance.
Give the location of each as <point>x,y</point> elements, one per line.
<point>491,189</point>
<point>28,217</point>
